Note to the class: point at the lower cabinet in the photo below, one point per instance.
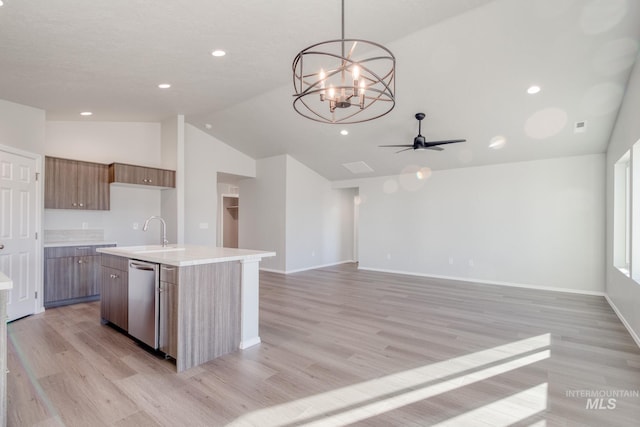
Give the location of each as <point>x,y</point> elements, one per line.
<point>71,275</point>
<point>169,310</point>
<point>114,296</point>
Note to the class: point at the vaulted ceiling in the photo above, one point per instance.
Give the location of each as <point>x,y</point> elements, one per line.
<point>466,64</point>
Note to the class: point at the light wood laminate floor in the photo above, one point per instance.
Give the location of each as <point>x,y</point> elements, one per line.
<point>342,347</point>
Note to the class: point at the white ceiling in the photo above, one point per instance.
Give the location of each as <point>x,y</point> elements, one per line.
<point>465,63</point>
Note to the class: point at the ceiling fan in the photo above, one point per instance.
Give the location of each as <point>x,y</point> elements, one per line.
<point>419,142</point>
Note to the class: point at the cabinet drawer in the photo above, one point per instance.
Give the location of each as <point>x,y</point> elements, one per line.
<point>67,251</point>
<point>169,274</point>
<point>117,262</point>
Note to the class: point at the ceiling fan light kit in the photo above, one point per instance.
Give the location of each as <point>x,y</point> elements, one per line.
<point>335,83</point>
<point>420,142</point>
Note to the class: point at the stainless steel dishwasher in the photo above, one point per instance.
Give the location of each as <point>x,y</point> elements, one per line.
<point>143,302</point>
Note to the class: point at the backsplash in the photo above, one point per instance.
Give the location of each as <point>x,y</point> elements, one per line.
<point>51,236</point>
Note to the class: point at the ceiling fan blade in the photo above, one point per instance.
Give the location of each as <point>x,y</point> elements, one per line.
<point>448,141</point>
<point>403,145</point>
<point>434,148</point>
<point>410,148</point>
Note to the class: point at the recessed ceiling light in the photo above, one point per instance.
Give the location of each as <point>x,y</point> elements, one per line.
<point>218,53</point>
<point>497,142</point>
<point>344,132</point>
<point>423,173</point>
<point>164,85</point>
<point>533,89</point>
<point>86,113</point>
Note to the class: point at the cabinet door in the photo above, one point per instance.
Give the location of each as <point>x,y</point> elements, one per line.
<point>58,279</point>
<point>86,277</point>
<point>148,176</point>
<point>114,304</point>
<point>131,174</point>
<point>166,178</point>
<point>60,183</point>
<point>169,319</point>
<point>140,175</point>
<point>93,186</point>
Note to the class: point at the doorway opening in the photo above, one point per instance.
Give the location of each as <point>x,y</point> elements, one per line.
<point>229,227</point>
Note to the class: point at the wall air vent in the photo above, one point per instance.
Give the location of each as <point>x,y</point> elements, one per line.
<point>580,127</point>
<point>358,167</point>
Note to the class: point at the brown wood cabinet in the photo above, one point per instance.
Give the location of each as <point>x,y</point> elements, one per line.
<point>71,275</point>
<point>114,297</point>
<point>141,175</point>
<point>208,312</point>
<point>72,184</point>
<point>169,310</point>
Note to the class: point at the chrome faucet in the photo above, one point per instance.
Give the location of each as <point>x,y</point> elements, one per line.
<point>145,227</point>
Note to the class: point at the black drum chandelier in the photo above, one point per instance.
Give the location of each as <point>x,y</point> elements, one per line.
<point>344,81</point>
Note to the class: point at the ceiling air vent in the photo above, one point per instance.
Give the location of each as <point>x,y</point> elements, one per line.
<point>580,127</point>
<point>358,167</point>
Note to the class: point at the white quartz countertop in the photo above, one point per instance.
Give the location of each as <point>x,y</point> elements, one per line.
<point>77,243</point>
<point>5,282</point>
<point>184,255</point>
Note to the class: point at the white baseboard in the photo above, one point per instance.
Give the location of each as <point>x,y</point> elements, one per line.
<point>250,343</point>
<point>271,270</point>
<point>623,320</point>
<point>488,282</point>
<point>317,266</point>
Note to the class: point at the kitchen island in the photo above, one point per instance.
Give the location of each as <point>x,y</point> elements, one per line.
<point>207,302</point>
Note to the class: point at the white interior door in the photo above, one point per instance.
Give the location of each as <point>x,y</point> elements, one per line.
<point>18,231</point>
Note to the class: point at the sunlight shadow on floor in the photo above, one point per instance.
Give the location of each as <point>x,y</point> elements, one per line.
<point>367,399</point>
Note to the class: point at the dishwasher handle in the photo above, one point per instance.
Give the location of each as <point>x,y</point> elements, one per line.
<point>137,266</point>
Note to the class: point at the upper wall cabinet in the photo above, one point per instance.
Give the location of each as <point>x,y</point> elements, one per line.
<point>72,184</point>
<point>140,175</point>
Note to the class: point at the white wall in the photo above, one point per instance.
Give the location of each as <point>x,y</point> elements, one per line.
<point>22,127</point>
<point>129,205</point>
<point>623,292</point>
<point>319,226</point>
<point>295,212</point>
<point>537,223</point>
<point>262,220</point>
<point>205,156</point>
<point>107,142</point>
<point>171,148</point>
